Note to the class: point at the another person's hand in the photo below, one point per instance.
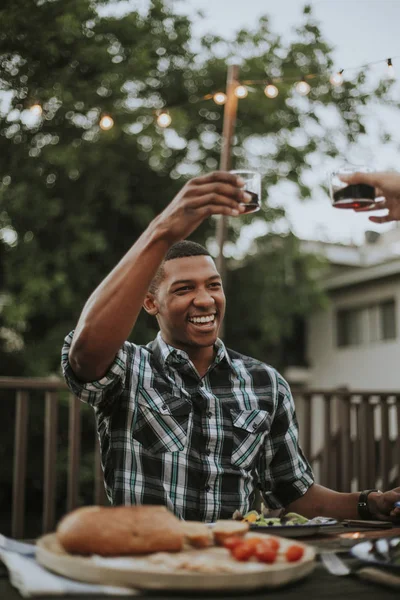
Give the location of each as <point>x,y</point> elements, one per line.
<point>383,505</point>
<point>387,185</point>
<point>218,193</point>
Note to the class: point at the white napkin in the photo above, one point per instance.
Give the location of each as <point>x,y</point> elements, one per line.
<point>31,579</point>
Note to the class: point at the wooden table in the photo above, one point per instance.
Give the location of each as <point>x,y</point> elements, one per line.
<point>320,585</point>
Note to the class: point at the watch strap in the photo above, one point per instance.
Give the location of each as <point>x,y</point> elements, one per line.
<point>362,506</point>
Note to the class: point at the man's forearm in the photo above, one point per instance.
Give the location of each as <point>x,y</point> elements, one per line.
<point>111,311</point>
<point>319,501</point>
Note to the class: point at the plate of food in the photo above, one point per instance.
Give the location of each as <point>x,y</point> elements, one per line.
<point>383,551</point>
<point>148,548</point>
<point>289,524</point>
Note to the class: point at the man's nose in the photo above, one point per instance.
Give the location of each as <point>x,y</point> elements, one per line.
<point>203,298</point>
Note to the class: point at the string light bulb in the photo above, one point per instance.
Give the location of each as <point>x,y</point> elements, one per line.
<point>271,91</point>
<point>302,87</point>
<point>390,69</point>
<point>106,122</point>
<point>241,91</point>
<point>36,110</point>
<point>219,98</point>
<point>164,119</point>
<point>337,78</point>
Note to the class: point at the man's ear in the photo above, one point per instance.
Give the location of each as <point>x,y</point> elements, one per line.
<point>150,304</point>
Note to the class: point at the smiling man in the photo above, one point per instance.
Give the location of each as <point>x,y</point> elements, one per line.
<point>184,421</point>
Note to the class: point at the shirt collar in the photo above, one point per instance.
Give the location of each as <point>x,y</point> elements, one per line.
<point>168,355</point>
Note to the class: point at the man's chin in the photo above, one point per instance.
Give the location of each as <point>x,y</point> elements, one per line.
<point>203,339</point>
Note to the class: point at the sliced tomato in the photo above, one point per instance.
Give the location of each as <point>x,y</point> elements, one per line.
<point>294,553</point>
<point>243,551</point>
<point>232,542</point>
<point>272,543</point>
<point>265,554</point>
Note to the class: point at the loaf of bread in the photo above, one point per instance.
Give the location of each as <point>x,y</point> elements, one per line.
<point>120,530</point>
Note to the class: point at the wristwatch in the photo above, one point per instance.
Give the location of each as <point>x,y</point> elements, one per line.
<point>362,506</point>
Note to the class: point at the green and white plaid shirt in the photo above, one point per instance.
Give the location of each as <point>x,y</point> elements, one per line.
<point>200,446</point>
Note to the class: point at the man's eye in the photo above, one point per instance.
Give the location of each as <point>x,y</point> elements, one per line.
<point>183,289</point>
<point>216,284</point>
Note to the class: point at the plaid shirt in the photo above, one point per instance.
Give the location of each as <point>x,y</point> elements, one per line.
<point>200,446</point>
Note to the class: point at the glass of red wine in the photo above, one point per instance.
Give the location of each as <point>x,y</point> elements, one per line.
<point>252,185</point>
<point>355,196</point>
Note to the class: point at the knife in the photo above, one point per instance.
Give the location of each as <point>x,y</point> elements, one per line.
<point>379,576</point>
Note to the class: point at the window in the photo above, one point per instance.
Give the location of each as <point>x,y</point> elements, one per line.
<point>366,324</point>
<point>388,320</point>
<point>349,327</point>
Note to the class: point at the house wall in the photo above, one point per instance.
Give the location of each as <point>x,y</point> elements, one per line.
<point>369,366</point>
<point>373,365</point>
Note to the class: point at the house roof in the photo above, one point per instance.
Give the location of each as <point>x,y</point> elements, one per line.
<point>361,275</point>
<point>377,258</point>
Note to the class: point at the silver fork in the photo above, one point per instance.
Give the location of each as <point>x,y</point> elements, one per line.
<point>336,566</point>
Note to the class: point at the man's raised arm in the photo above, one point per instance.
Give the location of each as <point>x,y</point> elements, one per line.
<point>111,311</point>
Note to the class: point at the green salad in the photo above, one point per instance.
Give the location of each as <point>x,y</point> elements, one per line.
<point>255,518</point>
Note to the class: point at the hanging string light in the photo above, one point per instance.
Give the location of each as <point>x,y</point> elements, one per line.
<point>337,78</point>
<point>106,122</point>
<point>390,69</point>
<point>302,87</point>
<point>271,91</point>
<point>219,98</point>
<point>36,110</point>
<point>241,91</point>
<point>164,119</point>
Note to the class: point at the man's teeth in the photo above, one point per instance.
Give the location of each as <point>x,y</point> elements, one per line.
<point>202,319</point>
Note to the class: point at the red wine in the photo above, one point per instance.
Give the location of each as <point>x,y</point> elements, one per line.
<point>358,195</point>
<point>253,205</point>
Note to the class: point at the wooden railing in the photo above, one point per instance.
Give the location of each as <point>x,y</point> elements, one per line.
<point>352,439</point>
<point>51,389</point>
<point>359,434</point>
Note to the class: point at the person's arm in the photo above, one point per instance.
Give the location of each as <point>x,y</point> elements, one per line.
<point>320,501</point>
<point>111,311</point>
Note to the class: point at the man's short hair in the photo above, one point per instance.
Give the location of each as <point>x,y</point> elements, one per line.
<point>179,250</point>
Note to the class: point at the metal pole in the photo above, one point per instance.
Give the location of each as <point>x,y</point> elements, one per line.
<point>230,111</point>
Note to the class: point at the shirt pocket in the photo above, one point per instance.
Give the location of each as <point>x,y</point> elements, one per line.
<point>161,425</point>
<point>249,430</point>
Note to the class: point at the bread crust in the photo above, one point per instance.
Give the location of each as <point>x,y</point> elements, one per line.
<point>224,529</point>
<point>120,530</point>
<point>197,534</point>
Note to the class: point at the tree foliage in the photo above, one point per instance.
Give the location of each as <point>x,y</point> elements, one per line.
<point>73,198</point>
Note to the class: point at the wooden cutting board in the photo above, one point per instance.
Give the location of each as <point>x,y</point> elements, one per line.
<point>214,568</point>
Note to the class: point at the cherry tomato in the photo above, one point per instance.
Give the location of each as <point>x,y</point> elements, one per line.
<point>294,553</point>
<point>253,542</point>
<point>265,553</point>
<point>272,543</point>
<point>232,541</point>
<point>243,551</point>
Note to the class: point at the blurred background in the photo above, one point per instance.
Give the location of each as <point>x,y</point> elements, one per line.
<point>86,162</point>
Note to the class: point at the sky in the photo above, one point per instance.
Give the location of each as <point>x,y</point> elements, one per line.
<point>362,32</point>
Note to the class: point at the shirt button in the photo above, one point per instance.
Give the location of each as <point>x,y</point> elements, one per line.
<point>207,488</point>
<point>164,407</point>
<point>208,451</point>
<point>209,414</point>
<point>255,425</point>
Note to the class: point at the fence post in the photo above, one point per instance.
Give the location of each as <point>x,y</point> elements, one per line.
<point>19,469</point>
